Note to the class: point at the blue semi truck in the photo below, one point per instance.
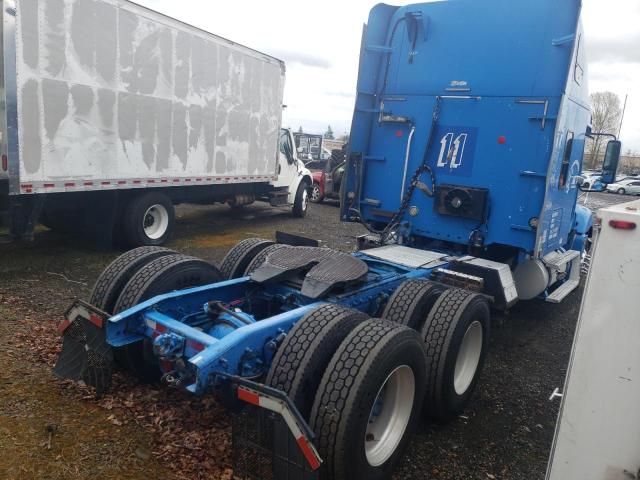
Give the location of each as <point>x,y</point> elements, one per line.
<point>466,147</point>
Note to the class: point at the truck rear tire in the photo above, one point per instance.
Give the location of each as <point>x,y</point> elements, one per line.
<point>236,261</point>
<point>456,336</point>
<point>148,219</point>
<point>261,257</point>
<point>307,350</point>
<point>162,275</point>
<point>369,398</point>
<point>301,202</point>
<point>411,303</point>
<point>112,280</point>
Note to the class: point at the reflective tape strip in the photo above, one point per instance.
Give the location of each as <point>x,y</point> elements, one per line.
<point>63,326</point>
<point>102,184</point>
<point>309,452</point>
<point>248,396</point>
<point>96,320</point>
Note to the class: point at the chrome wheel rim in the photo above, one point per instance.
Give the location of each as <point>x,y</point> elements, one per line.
<point>315,193</point>
<point>155,221</point>
<point>389,415</point>
<point>305,199</point>
<point>468,358</point>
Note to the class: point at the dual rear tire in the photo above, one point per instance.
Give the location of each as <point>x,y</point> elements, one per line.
<point>363,384</point>
<point>358,382</point>
<point>139,275</point>
<point>455,326</point>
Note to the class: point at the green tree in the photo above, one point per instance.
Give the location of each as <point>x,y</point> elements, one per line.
<point>300,129</point>
<point>329,133</point>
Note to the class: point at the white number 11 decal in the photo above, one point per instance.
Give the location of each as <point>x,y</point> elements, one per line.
<point>452,151</point>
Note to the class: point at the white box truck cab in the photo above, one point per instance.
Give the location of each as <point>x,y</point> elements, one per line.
<point>113,113</point>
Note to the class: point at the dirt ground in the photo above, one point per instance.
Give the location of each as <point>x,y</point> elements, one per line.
<point>140,432</point>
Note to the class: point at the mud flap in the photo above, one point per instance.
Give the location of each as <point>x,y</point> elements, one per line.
<point>85,353</point>
<point>271,440</point>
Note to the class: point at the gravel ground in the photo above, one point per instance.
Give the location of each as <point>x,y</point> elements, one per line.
<point>139,431</point>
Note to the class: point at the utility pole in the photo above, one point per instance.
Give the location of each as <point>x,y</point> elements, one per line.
<point>624,108</point>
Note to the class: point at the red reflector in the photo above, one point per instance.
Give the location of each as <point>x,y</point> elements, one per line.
<point>249,397</point>
<point>5,163</point>
<point>314,463</point>
<point>399,133</point>
<point>502,139</point>
<point>622,225</point>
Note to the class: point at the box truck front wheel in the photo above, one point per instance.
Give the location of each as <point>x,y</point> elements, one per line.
<point>148,219</point>
<point>369,398</point>
<point>301,201</point>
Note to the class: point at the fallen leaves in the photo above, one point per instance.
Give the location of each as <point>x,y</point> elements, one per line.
<point>191,435</point>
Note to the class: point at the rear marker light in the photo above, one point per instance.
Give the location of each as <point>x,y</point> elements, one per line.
<point>5,163</point>
<point>502,139</point>
<point>622,225</point>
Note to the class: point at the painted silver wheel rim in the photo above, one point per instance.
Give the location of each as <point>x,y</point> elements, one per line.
<point>315,193</point>
<point>155,221</point>
<point>389,415</point>
<point>468,358</point>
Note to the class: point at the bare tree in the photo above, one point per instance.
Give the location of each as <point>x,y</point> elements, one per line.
<point>606,112</point>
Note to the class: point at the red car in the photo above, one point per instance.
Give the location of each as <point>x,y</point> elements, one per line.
<point>326,183</point>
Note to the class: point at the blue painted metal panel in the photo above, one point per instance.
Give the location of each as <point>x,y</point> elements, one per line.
<point>505,82</point>
<point>493,47</point>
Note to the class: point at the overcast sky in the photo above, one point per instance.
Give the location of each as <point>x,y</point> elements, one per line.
<point>320,43</point>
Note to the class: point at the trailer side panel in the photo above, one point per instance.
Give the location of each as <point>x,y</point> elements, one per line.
<point>113,95</point>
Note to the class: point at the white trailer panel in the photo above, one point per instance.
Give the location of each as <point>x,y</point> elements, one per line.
<point>598,432</point>
<point>110,94</point>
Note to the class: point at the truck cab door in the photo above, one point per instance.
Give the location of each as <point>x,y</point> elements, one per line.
<point>288,168</point>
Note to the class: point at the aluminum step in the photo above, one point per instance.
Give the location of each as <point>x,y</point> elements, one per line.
<point>563,291</point>
<point>558,260</point>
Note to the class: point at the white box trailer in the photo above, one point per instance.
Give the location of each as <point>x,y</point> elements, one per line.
<point>598,431</point>
<point>111,99</point>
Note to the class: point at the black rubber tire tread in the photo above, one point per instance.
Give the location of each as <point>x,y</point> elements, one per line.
<point>260,258</point>
<point>306,351</point>
<point>441,330</point>
<point>150,280</point>
<point>132,220</point>
<point>236,261</point>
<point>299,210</point>
<point>411,302</point>
<point>112,280</point>
<point>347,392</point>
<point>162,275</point>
